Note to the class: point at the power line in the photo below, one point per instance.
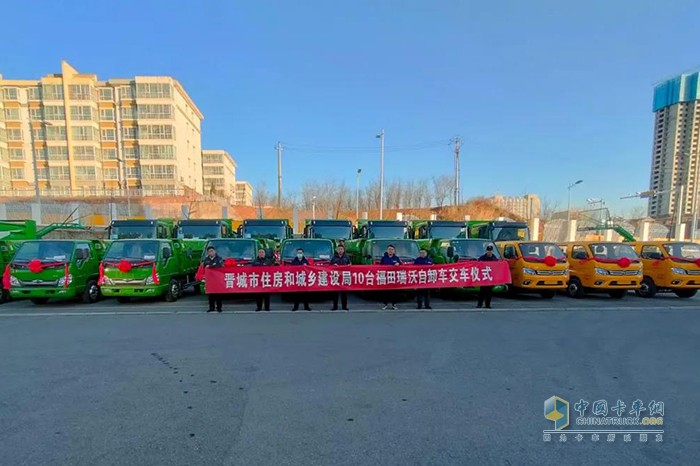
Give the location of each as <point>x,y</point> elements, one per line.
<point>310,148</point>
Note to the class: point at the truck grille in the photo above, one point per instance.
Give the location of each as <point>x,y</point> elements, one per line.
<point>128,282</point>
<point>693,272</point>
<point>551,272</point>
<point>619,273</point>
<point>38,282</point>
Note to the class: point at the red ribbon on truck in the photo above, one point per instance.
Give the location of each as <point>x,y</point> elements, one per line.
<point>272,279</point>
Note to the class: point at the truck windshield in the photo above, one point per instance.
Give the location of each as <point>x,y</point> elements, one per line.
<point>331,232</point>
<point>132,251</point>
<point>132,231</point>
<point>244,249</point>
<point>317,250</point>
<point>613,251</point>
<point>388,231</point>
<point>472,249</point>
<point>689,251</point>
<point>199,231</point>
<point>45,251</point>
<point>264,231</point>
<point>542,250</point>
<point>510,233</point>
<point>406,250</point>
<point>444,232</point>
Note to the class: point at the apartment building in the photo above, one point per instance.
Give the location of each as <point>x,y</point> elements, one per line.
<point>73,134</point>
<point>675,159</point>
<point>218,172</point>
<point>526,207</point>
<point>243,194</point>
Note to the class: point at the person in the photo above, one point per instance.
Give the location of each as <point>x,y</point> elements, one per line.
<point>390,258</point>
<point>260,261</point>
<point>423,294</point>
<point>486,292</point>
<point>300,260</point>
<point>211,261</point>
<point>340,258</point>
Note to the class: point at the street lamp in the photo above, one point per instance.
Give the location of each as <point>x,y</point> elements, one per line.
<point>357,194</point>
<point>568,203</point>
<point>381,177</point>
<point>313,207</point>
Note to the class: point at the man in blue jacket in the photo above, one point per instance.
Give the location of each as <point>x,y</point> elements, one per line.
<point>390,258</point>
<point>298,261</point>
<point>423,294</point>
<point>340,258</point>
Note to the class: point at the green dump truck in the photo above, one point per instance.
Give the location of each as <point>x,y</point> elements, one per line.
<point>163,228</point>
<point>141,268</point>
<point>496,230</point>
<point>440,229</point>
<point>334,230</point>
<point>56,269</point>
<point>320,251</point>
<point>242,250</point>
<point>204,229</point>
<point>274,229</point>
<point>374,236</point>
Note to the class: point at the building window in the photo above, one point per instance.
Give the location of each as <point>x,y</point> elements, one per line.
<point>215,170</point>
<point>80,92</point>
<point>156,132</point>
<point>10,93</point>
<point>39,134</point>
<point>83,133</point>
<point>129,132</point>
<point>158,172</point>
<point>84,153</point>
<point>16,154</point>
<point>133,172</point>
<point>157,152</point>
<point>131,153</point>
<point>128,113</point>
<point>155,112</point>
<point>110,174</point>
<point>109,154</point>
<point>54,112</point>
<point>14,134</point>
<point>126,92</point>
<point>109,134</point>
<point>81,113</point>
<point>52,91</point>
<point>42,173</point>
<point>85,173</point>
<point>107,114</point>
<point>58,153</point>
<point>36,114</point>
<point>106,94</point>
<point>12,114</point>
<point>34,93</point>
<point>211,158</point>
<point>59,173</point>
<point>17,173</point>
<point>153,90</point>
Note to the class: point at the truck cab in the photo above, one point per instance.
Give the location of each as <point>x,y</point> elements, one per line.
<point>139,268</point>
<point>56,269</point>
<point>669,266</point>
<point>272,229</point>
<point>204,229</point>
<point>335,230</point>
<point>371,251</point>
<point>439,229</point>
<point>370,229</point>
<point>535,267</point>
<point>319,251</point>
<point>602,267</point>
<point>499,230</point>
<point>242,250</point>
<point>141,229</point>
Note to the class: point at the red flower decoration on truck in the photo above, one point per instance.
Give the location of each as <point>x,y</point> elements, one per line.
<point>550,261</point>
<point>35,266</point>
<point>624,262</point>
<point>124,266</point>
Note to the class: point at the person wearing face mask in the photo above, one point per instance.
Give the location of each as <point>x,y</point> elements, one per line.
<point>211,261</point>
<point>486,292</point>
<point>423,294</point>
<point>390,258</point>
<point>300,260</point>
<point>261,261</point>
<point>340,258</point>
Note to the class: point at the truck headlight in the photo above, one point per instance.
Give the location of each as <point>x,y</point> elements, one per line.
<point>529,271</point>
<point>149,280</point>
<point>14,281</point>
<point>678,271</point>
<point>107,281</point>
<point>62,281</point>
<point>600,271</point>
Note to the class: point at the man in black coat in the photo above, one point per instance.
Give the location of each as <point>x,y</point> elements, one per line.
<point>486,292</point>
<point>340,258</point>
<point>298,261</point>
<point>261,261</point>
<point>423,294</point>
<point>213,260</point>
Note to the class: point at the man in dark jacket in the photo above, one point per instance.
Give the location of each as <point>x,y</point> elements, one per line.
<point>261,261</point>
<point>340,258</point>
<point>423,294</point>
<point>486,292</point>
<point>213,260</point>
<point>300,260</point>
<point>390,258</point>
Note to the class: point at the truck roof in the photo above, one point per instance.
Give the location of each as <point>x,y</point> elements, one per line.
<point>266,221</point>
<point>328,222</point>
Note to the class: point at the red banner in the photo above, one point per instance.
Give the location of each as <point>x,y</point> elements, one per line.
<point>354,277</point>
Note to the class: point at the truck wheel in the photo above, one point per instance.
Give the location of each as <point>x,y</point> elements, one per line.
<point>4,296</point>
<point>548,294</point>
<point>685,293</point>
<point>511,291</point>
<point>618,294</point>
<point>173,292</point>
<point>91,293</point>
<point>124,299</point>
<point>39,301</point>
<point>575,288</point>
<point>647,289</point>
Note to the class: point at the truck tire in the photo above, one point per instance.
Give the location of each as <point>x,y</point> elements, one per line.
<point>124,299</point>
<point>547,294</point>
<point>39,301</point>
<point>648,288</point>
<point>575,288</point>
<point>91,293</point>
<point>173,292</point>
<point>685,293</point>
<point>4,296</point>
<point>617,294</point>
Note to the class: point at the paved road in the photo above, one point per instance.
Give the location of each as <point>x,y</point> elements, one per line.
<point>160,383</point>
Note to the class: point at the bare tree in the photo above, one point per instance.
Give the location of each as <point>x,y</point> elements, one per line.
<point>548,208</point>
<point>261,195</point>
<point>422,194</point>
<point>442,189</point>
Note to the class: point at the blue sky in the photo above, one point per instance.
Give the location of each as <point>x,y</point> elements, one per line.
<point>541,91</point>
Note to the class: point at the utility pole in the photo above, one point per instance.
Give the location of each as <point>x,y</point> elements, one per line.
<point>457,197</point>
<point>279,174</point>
<point>357,194</point>
<point>381,178</point>
<point>694,202</point>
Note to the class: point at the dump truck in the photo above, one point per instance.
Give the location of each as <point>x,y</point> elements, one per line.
<point>497,230</point>
<point>55,269</point>
<point>386,229</point>
<point>274,229</point>
<point>535,267</point>
<point>672,266</point>
<point>439,229</point>
<point>141,268</point>
<point>163,228</point>
<point>242,250</point>
<point>319,251</point>
<point>337,231</point>
<point>204,229</point>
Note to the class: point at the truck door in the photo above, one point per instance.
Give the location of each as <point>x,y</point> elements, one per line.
<point>84,264</point>
<point>653,264</point>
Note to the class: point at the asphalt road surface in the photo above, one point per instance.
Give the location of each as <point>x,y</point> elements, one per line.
<point>155,383</point>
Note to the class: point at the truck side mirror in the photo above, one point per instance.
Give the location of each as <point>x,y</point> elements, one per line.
<point>167,253</point>
<point>450,251</point>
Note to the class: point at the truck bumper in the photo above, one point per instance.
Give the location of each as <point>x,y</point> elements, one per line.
<point>43,292</point>
<point>536,283</point>
<point>133,292</point>
<point>631,283</point>
<point>683,283</point>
